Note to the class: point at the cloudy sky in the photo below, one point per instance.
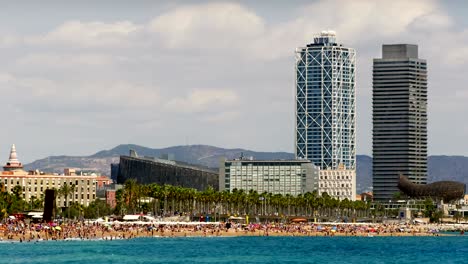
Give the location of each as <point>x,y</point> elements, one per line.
<point>78,76</point>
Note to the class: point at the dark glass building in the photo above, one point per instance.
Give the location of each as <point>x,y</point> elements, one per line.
<point>399,119</point>
<point>153,170</point>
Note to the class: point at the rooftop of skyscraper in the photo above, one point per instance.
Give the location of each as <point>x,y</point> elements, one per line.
<point>325,38</point>
<point>397,51</point>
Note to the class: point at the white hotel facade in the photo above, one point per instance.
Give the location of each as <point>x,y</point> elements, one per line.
<point>33,184</point>
<point>292,177</point>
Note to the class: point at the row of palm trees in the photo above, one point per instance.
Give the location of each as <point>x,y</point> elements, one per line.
<point>169,200</point>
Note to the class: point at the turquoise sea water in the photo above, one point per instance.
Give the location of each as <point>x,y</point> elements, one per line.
<point>453,249</point>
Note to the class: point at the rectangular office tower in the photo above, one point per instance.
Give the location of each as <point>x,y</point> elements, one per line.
<point>325,103</point>
<point>399,119</point>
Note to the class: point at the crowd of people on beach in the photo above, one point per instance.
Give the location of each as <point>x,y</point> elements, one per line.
<point>17,230</point>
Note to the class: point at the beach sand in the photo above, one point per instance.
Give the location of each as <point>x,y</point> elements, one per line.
<point>79,231</point>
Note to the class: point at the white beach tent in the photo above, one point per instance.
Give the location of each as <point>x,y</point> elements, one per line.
<point>35,215</point>
<point>131,217</point>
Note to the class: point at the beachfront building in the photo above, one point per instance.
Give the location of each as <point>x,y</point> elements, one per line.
<point>148,170</point>
<point>339,183</point>
<point>34,183</point>
<point>272,176</point>
<point>102,181</point>
<point>325,103</point>
<point>13,164</point>
<point>399,119</point>
<point>108,192</point>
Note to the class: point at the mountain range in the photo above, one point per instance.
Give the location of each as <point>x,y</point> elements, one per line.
<point>454,168</point>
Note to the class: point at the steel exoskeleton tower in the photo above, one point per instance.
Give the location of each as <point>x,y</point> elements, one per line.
<point>325,103</point>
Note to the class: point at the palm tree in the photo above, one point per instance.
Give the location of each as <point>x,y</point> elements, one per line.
<point>120,207</point>
<point>155,193</point>
<point>165,192</point>
<point>65,191</point>
<point>253,199</point>
<point>17,190</point>
<point>131,194</point>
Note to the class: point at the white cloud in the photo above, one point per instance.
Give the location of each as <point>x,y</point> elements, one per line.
<point>89,34</point>
<point>144,73</point>
<point>221,117</point>
<point>207,26</point>
<point>201,100</point>
<point>58,60</point>
<point>8,41</point>
<point>53,95</point>
<point>357,22</point>
<point>236,30</point>
<point>6,78</point>
<point>431,21</point>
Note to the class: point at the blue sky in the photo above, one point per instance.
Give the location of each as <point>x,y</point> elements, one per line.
<point>79,76</point>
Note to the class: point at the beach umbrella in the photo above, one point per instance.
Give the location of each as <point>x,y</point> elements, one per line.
<point>299,220</point>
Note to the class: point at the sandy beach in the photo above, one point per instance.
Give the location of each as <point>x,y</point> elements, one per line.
<point>21,232</point>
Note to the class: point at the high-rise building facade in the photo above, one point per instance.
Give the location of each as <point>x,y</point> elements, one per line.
<point>325,103</point>
<point>399,119</point>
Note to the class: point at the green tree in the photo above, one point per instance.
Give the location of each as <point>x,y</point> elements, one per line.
<point>431,211</point>
<point>65,191</point>
<point>17,191</point>
<point>14,202</point>
<point>97,208</point>
<point>131,194</point>
<point>121,206</point>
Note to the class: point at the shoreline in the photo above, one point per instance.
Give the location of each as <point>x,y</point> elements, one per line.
<point>112,235</point>
<point>22,232</point>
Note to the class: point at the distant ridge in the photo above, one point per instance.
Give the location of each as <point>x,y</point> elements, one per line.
<point>196,154</point>
<point>205,155</point>
<point>454,168</point>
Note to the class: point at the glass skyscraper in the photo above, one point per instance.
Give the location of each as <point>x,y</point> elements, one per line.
<point>325,103</point>
<point>399,105</point>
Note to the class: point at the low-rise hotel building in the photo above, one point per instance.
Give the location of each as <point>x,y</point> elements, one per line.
<point>33,183</point>
<point>292,177</point>
<point>340,183</point>
<point>272,176</point>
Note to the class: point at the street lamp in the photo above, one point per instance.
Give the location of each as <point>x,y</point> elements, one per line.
<point>261,198</point>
